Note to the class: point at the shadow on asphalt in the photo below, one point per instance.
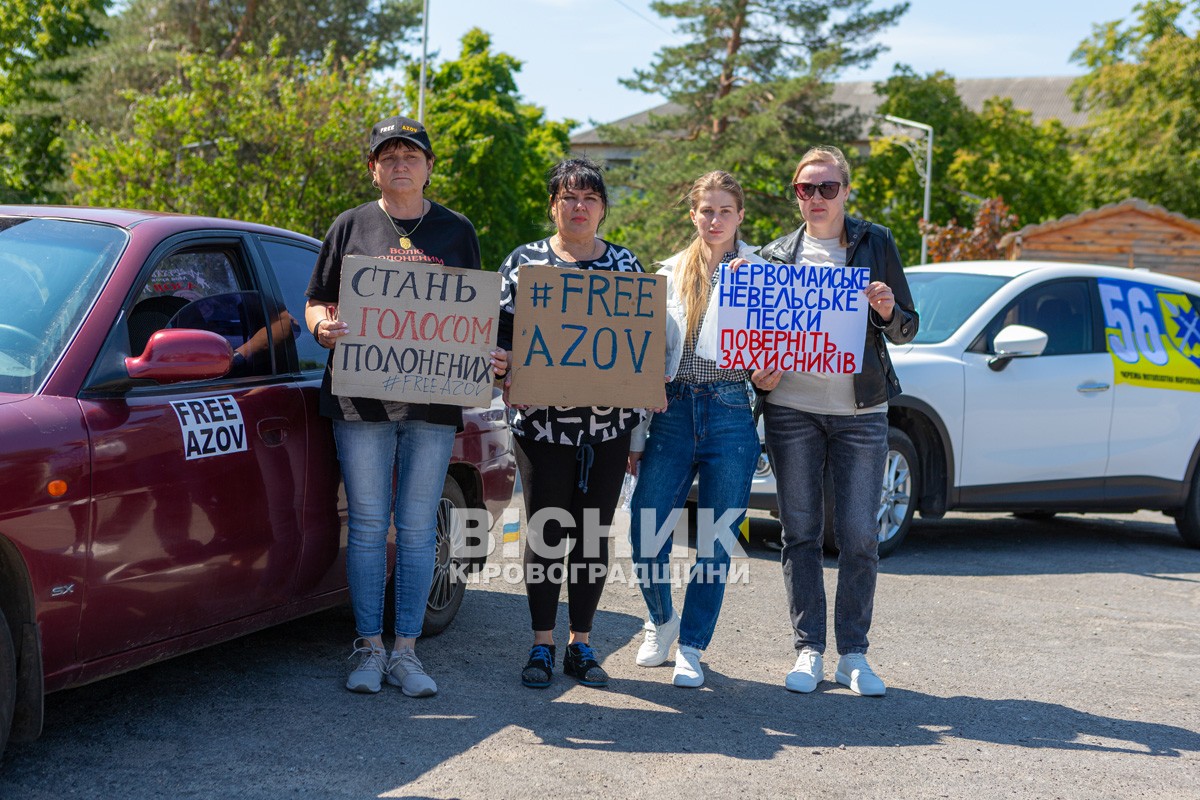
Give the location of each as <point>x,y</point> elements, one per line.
<point>1065,544</point>
<point>266,715</point>
<point>998,545</point>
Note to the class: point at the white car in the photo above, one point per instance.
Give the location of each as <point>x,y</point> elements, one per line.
<point>1038,388</point>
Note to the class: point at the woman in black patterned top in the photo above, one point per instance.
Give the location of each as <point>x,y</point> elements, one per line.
<point>570,458</point>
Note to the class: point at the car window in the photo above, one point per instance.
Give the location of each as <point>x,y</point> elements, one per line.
<point>205,289</point>
<point>238,317</point>
<point>944,300</point>
<point>192,275</point>
<point>50,271</point>
<point>1060,309</point>
<point>293,267</point>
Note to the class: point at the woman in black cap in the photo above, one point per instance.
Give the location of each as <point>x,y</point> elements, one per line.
<point>378,437</point>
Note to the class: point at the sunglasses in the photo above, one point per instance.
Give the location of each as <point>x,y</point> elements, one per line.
<point>828,189</point>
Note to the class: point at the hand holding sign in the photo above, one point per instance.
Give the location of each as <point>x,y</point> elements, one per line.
<point>880,298</point>
<point>330,329</point>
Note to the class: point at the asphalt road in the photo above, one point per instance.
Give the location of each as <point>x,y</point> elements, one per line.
<point>1023,659</point>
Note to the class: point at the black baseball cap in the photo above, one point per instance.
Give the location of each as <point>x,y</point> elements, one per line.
<point>399,128</point>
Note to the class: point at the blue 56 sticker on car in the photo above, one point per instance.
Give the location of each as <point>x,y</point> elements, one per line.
<point>1153,334</point>
<point>212,426</point>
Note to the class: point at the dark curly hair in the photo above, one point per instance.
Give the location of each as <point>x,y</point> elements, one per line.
<point>576,173</point>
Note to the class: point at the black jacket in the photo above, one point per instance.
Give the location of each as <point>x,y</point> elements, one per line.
<point>870,245</point>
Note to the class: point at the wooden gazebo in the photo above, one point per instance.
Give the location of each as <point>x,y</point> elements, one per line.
<point>1132,233</point>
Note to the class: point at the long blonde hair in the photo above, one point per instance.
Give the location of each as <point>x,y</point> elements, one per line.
<point>690,272</point>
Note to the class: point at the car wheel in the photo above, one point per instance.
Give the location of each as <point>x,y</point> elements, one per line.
<point>896,500</point>
<point>1188,522</point>
<point>446,593</point>
<point>899,488</point>
<point>8,682</point>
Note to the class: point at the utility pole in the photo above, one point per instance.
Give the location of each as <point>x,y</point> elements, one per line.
<point>926,172</point>
<point>424,56</point>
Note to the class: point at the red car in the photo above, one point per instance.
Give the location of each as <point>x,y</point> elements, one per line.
<point>156,493</point>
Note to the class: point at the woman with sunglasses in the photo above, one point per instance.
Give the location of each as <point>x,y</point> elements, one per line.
<point>817,421</point>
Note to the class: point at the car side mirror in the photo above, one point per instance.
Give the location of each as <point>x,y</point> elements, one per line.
<point>175,355</point>
<point>1016,341</point>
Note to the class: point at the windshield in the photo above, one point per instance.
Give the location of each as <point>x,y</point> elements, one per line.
<point>944,300</point>
<point>50,270</point>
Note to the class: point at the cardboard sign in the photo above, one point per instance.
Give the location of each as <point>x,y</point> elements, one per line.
<point>794,317</point>
<point>589,338</point>
<point>419,333</point>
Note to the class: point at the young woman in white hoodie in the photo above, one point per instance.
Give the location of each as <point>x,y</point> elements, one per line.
<point>707,428</point>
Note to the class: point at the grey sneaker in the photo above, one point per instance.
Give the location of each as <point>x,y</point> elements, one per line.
<point>368,675</point>
<point>854,671</point>
<point>807,672</point>
<point>404,670</point>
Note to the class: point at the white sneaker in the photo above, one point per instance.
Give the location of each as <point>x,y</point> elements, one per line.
<point>688,672</point>
<point>808,671</point>
<point>404,670</point>
<point>854,671</point>
<point>368,675</point>
<point>657,645</point>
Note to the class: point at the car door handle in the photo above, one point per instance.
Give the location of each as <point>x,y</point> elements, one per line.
<point>273,430</point>
<point>1090,388</point>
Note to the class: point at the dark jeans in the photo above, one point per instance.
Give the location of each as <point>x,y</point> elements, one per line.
<point>855,448</point>
<point>551,478</point>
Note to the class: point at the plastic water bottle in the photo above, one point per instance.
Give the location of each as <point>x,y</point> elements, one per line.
<point>627,487</point>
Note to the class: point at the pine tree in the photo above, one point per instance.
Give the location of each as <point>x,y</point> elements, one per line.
<point>752,86</point>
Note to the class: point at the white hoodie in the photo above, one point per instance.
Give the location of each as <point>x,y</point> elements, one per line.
<point>707,344</point>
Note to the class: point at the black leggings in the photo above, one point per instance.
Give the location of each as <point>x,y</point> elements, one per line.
<point>555,476</point>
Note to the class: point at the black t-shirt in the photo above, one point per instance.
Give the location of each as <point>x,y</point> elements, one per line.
<point>442,237</point>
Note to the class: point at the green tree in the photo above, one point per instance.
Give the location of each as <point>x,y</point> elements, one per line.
<point>998,152</point>
<point>887,187</point>
<point>1026,163</point>
<point>36,36</point>
<point>492,149</point>
<point>266,138</point>
<point>146,39</point>
<point>751,80</point>
<point>1142,93</point>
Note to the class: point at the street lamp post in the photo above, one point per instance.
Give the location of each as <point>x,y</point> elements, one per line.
<point>424,55</point>
<point>926,174</point>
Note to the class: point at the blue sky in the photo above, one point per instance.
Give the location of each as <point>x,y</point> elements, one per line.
<point>574,51</point>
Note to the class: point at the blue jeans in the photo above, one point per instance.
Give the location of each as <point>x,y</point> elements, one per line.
<point>370,454</point>
<point>855,449</point>
<point>707,429</point>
